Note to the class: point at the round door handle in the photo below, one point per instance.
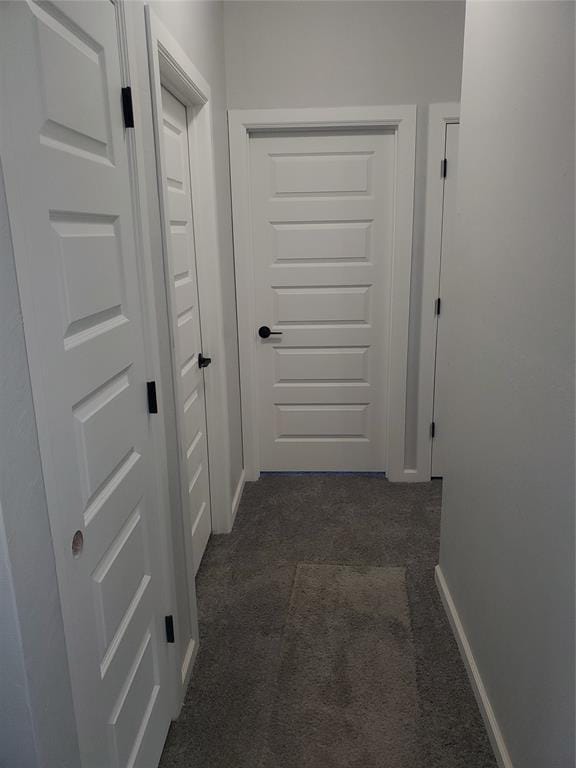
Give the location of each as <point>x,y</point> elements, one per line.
<point>264,332</point>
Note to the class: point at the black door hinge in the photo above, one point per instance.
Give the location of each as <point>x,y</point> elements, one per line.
<point>127,107</point>
<point>437,305</point>
<point>444,168</point>
<point>169,623</point>
<point>433,429</point>
<point>152,399</point>
<point>203,362</point>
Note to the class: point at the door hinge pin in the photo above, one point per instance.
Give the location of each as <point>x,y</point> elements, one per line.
<point>127,107</point>
<point>169,623</point>
<point>437,305</point>
<point>152,398</point>
<point>433,429</point>
<point>444,168</point>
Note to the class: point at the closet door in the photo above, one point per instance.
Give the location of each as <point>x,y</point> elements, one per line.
<point>69,194</point>
<point>443,379</point>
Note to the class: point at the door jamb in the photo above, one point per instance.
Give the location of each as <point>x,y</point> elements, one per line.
<point>135,148</point>
<point>440,115</point>
<point>171,66</point>
<point>242,123</point>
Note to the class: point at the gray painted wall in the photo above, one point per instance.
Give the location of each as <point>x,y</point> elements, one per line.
<point>507,549</point>
<point>328,54</point>
<point>34,669</point>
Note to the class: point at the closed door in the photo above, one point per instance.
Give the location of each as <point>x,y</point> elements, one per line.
<point>69,191</point>
<point>180,270</point>
<point>322,220</point>
<point>444,381</point>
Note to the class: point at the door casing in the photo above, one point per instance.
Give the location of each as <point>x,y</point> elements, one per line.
<point>242,124</point>
<point>170,66</point>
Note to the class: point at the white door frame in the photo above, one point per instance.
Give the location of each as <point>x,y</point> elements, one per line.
<point>243,123</point>
<point>170,66</point>
<point>440,115</point>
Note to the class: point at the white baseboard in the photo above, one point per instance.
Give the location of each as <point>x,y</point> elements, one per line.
<point>238,495</point>
<point>492,727</point>
<point>188,663</point>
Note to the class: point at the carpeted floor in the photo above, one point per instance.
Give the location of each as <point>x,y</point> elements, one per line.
<point>323,640</point>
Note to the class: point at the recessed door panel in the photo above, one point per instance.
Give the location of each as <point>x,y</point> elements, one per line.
<point>336,422</point>
<point>320,174</point>
<point>90,253</point>
<point>316,365</point>
<point>122,572</point>
<point>326,305</point>
<point>318,242</point>
<point>77,117</point>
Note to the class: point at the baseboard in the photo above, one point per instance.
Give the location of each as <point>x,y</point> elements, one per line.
<point>188,663</point>
<point>492,727</point>
<point>238,495</point>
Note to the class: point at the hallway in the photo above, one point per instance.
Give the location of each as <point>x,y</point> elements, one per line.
<point>288,674</point>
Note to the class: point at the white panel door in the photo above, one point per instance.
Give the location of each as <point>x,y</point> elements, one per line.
<point>443,378</point>
<point>322,219</point>
<point>185,319</point>
<point>69,193</point>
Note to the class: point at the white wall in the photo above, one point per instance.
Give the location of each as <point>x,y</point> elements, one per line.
<point>302,54</point>
<point>199,28</point>
<point>507,550</point>
<point>317,54</point>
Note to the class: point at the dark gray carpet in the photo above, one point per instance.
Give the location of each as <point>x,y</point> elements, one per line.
<point>346,689</point>
<point>253,638</point>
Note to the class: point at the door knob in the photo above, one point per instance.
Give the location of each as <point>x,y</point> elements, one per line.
<point>203,362</point>
<point>264,332</point>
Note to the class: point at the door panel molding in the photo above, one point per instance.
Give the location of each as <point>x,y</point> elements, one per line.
<point>402,121</point>
<point>440,115</point>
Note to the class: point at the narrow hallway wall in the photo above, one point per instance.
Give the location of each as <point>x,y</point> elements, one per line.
<point>507,543</point>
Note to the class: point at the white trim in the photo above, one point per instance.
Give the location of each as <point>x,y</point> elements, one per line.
<point>241,124</point>
<point>170,65</point>
<point>486,710</point>
<point>439,116</point>
<point>158,426</point>
<point>188,662</point>
<point>238,495</point>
